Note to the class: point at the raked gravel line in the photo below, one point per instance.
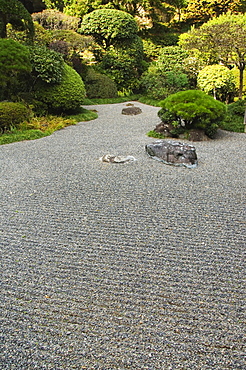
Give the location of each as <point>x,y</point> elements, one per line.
<point>121,266</point>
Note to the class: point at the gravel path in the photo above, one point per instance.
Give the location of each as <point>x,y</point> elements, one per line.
<point>121,266</point>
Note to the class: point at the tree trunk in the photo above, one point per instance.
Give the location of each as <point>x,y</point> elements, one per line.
<point>241,70</point>
<point>3,24</point>
<point>244,121</point>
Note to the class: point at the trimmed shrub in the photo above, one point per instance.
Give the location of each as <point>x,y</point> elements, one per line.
<point>64,97</point>
<point>194,109</point>
<point>99,86</point>
<point>12,114</point>
<point>109,26</point>
<point>14,60</point>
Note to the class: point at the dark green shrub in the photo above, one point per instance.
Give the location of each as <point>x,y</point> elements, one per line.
<point>11,114</point>
<point>63,97</point>
<point>234,117</point>
<point>159,85</point>
<point>15,13</point>
<point>124,64</point>
<point>14,59</point>
<point>99,86</point>
<point>237,108</point>
<point>194,109</point>
<point>47,65</point>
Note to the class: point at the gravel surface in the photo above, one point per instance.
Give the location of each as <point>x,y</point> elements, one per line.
<point>121,266</point>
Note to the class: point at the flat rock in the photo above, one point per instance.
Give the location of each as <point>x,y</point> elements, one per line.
<point>131,111</point>
<point>109,158</point>
<point>173,152</point>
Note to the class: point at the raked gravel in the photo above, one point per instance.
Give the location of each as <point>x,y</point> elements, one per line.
<point>121,266</point>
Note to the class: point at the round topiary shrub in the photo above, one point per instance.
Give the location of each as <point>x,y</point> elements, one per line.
<point>193,109</point>
<point>11,114</point>
<point>64,97</point>
<point>100,86</point>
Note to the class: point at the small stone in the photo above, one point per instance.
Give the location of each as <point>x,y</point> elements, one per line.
<point>131,111</point>
<point>109,158</point>
<point>173,152</point>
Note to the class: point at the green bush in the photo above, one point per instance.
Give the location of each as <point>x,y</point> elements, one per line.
<point>64,97</point>
<point>124,64</point>
<point>12,114</point>
<point>99,86</point>
<point>47,65</point>
<point>194,109</point>
<point>157,85</point>
<point>14,59</point>
<point>109,26</point>
<point>234,117</point>
<point>218,81</point>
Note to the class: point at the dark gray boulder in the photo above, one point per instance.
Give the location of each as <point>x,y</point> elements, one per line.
<point>173,152</point>
<point>131,111</point>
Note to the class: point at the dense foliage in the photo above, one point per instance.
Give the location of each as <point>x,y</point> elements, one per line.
<point>47,65</point>
<point>109,26</point>
<point>193,109</point>
<point>14,60</point>
<point>12,114</point>
<point>55,20</point>
<point>14,12</point>
<point>217,80</point>
<point>99,86</point>
<point>220,40</point>
<point>63,97</point>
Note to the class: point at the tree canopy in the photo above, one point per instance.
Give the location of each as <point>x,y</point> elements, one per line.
<point>220,40</point>
<point>109,26</point>
<point>199,11</point>
<point>15,13</point>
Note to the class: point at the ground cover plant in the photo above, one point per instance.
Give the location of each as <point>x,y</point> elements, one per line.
<point>38,127</point>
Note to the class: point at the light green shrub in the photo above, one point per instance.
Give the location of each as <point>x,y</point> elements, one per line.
<point>194,109</point>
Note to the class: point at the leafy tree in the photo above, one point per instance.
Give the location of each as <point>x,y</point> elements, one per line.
<point>220,40</point>
<point>200,11</point>
<point>109,26</point>
<point>171,58</point>
<point>217,80</point>
<point>14,12</point>
<point>124,63</point>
